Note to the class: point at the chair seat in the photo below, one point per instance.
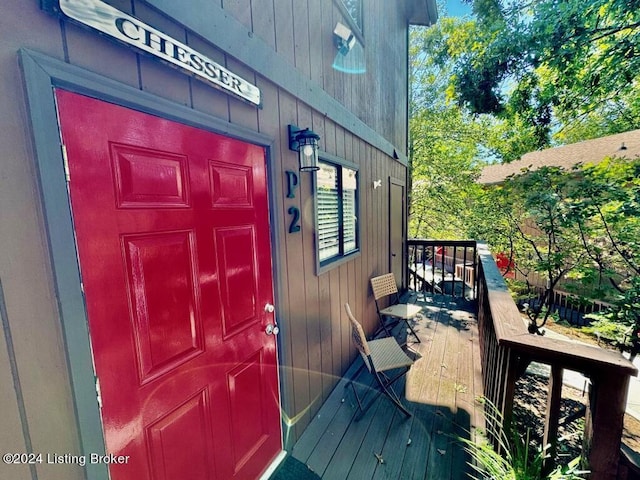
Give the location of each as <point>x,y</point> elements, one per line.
<point>386,354</point>
<point>379,357</point>
<point>402,310</point>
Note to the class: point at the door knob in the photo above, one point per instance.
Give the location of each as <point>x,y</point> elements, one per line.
<point>269,308</point>
<point>272,330</point>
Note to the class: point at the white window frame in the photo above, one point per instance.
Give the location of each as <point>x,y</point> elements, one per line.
<point>344,252</point>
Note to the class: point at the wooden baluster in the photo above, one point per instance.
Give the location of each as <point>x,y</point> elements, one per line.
<point>552,416</point>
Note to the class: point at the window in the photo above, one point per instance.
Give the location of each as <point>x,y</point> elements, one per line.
<point>336,212</point>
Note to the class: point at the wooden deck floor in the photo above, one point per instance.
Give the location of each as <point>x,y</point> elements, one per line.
<point>440,391</point>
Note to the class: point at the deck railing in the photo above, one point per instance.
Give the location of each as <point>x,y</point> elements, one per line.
<point>506,348</point>
<point>443,266</point>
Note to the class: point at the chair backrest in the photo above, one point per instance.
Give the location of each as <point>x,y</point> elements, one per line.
<point>357,333</point>
<point>384,285</point>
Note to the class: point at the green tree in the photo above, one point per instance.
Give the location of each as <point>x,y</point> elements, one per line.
<point>444,144</point>
<point>564,66</point>
<point>436,54</point>
<point>607,209</point>
<point>541,212</point>
<point>520,76</point>
<point>580,226</point>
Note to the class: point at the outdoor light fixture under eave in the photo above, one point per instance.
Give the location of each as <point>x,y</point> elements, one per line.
<point>305,142</point>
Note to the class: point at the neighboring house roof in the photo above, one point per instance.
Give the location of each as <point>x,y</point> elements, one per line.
<point>566,156</point>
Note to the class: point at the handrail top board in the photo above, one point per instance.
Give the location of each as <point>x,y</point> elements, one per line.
<point>586,359</point>
<point>445,243</point>
<point>511,331</point>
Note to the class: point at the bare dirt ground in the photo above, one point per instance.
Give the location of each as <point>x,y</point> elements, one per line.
<point>529,411</point>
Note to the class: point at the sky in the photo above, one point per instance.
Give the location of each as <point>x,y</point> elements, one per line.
<point>455,8</point>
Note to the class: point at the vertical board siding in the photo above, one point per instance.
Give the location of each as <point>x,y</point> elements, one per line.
<point>81,50</point>
<point>315,343</point>
<point>301,31</point>
<point>213,101</point>
<point>241,10</point>
<point>314,17</point>
<point>155,77</point>
<point>301,45</point>
<point>264,23</point>
<point>241,113</point>
<point>283,11</point>
<point>30,337</point>
<point>327,53</point>
<point>11,400</point>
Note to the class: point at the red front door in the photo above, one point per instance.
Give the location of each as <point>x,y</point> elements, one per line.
<point>172,230</point>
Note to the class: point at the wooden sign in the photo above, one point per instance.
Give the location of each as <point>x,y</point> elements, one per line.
<point>131,31</point>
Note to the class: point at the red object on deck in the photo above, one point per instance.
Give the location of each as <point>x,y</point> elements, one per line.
<point>505,265</point>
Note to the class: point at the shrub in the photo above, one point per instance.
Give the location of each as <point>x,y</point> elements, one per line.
<point>513,459</point>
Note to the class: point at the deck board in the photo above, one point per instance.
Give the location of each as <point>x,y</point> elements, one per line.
<point>440,391</point>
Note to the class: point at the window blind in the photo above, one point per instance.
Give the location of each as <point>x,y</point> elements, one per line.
<point>328,206</point>
<point>349,186</point>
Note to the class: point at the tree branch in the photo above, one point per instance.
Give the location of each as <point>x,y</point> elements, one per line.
<point>631,265</point>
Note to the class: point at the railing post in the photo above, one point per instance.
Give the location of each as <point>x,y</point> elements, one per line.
<point>504,341</point>
<point>604,421</point>
<point>552,417</point>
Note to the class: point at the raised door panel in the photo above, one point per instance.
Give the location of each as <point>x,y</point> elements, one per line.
<point>172,228</point>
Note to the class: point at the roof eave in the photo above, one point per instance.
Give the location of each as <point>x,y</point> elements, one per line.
<point>422,12</point>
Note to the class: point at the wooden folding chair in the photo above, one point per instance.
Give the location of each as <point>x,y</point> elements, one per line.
<point>380,356</point>
<point>384,286</point>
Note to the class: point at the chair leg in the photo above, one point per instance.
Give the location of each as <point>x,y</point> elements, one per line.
<point>413,332</point>
<point>384,387</point>
<point>387,328</point>
<point>355,375</point>
<point>391,394</point>
<point>359,400</point>
<point>363,407</point>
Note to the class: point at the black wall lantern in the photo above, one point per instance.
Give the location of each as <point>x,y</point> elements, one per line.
<point>305,142</point>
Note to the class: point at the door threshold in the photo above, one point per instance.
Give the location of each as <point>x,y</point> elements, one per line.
<point>274,465</point>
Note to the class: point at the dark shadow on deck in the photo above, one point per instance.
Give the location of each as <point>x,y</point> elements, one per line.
<point>440,391</point>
